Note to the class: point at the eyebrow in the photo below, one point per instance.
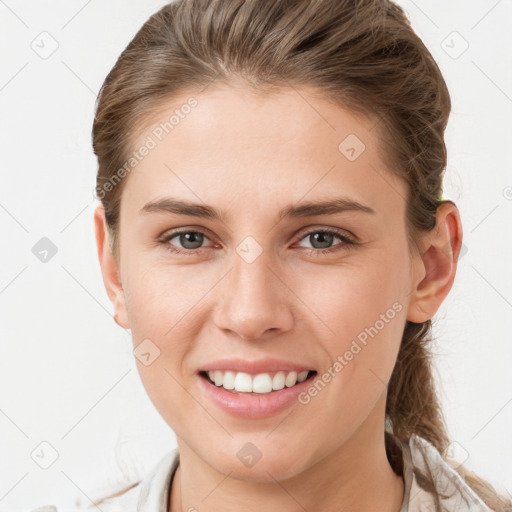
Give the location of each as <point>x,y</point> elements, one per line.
<point>307,209</point>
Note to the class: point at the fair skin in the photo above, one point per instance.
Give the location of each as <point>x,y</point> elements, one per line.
<point>249,156</point>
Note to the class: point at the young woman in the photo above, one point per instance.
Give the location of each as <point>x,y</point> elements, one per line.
<point>273,232</point>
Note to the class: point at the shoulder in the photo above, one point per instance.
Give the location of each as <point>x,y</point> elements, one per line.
<point>149,494</point>
<point>422,459</point>
<point>122,501</point>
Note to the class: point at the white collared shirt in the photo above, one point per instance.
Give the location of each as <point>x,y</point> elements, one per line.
<point>151,494</point>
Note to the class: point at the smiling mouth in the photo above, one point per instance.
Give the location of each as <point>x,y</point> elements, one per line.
<point>263,383</point>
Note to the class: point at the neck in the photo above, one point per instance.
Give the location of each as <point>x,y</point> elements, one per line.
<point>356,476</point>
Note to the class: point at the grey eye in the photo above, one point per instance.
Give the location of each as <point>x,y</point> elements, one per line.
<point>190,239</point>
<point>321,239</point>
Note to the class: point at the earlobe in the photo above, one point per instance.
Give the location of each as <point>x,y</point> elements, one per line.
<point>110,268</point>
<point>437,265</point>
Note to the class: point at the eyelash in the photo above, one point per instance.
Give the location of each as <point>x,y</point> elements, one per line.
<point>347,242</point>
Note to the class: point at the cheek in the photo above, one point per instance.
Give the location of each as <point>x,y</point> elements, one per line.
<point>160,299</point>
<point>348,299</point>
<point>164,306</point>
<point>362,319</point>
<point>159,303</point>
<point>362,313</point>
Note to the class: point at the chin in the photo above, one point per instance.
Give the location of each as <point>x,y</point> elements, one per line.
<point>265,469</point>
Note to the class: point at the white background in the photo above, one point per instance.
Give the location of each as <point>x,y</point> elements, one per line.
<point>67,373</point>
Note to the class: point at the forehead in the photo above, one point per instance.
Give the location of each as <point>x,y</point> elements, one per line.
<point>234,144</point>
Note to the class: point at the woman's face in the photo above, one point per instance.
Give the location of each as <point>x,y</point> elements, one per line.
<point>252,282</point>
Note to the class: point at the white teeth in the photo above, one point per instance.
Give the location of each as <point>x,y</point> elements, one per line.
<point>291,379</point>
<point>243,382</point>
<point>261,383</point>
<point>278,381</point>
<point>302,376</point>
<point>229,380</point>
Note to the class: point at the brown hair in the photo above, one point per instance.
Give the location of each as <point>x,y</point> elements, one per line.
<point>361,54</point>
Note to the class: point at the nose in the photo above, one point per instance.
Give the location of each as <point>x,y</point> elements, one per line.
<point>255,300</point>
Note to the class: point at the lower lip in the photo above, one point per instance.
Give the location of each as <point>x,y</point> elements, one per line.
<point>253,405</point>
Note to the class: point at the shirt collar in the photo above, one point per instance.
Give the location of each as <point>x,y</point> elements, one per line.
<point>154,492</point>
<point>419,455</point>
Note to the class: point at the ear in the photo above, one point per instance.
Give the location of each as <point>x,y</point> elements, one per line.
<point>110,268</point>
<point>436,266</point>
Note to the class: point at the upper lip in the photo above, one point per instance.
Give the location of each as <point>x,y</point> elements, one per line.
<point>266,365</point>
